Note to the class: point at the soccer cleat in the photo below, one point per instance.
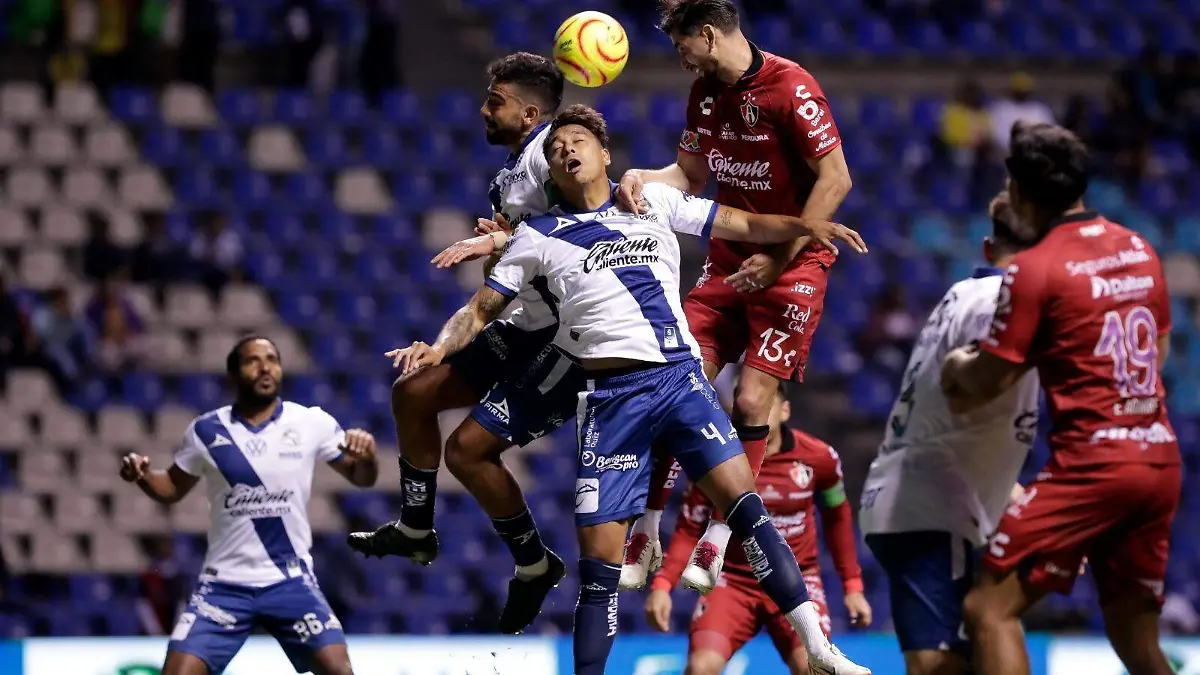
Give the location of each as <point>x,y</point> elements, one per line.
<point>525,596</point>
<point>833,662</point>
<point>387,539</point>
<point>642,558</point>
<point>704,568</point>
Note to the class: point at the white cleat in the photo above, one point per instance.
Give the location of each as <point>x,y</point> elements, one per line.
<point>642,558</point>
<point>704,568</point>
<point>833,662</point>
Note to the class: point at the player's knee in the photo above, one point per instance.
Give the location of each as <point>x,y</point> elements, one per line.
<point>406,398</point>
<point>704,663</point>
<point>933,662</point>
<point>981,611</point>
<point>457,456</point>
<point>752,399</point>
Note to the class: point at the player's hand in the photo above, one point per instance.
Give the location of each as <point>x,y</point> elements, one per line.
<point>498,223</point>
<point>658,610</point>
<point>629,193</point>
<point>1017,493</point>
<point>957,398</point>
<point>359,445</point>
<point>465,250</point>
<point>757,272</point>
<point>415,357</point>
<point>859,609</point>
<point>826,232</point>
<point>134,467</point>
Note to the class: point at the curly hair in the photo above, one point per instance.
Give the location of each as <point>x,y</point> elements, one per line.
<point>687,17</point>
<point>581,115</point>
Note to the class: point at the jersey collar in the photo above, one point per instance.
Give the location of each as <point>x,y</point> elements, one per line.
<point>514,157</point>
<point>984,271</point>
<point>788,442</point>
<point>568,210</point>
<point>756,64</point>
<point>256,428</point>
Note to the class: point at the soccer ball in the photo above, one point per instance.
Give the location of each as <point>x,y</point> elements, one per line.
<point>591,49</point>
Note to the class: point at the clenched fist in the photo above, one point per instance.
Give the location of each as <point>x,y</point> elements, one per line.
<point>134,467</point>
<point>359,445</point>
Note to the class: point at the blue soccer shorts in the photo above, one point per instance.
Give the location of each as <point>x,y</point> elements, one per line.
<point>220,616</point>
<point>672,408</point>
<point>929,574</point>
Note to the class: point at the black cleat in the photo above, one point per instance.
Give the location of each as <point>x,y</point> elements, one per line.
<point>387,539</point>
<point>525,598</point>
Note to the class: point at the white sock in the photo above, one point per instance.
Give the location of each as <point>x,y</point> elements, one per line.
<point>410,532</point>
<point>807,623</point>
<point>649,524</point>
<point>527,572</point>
<point>717,534</point>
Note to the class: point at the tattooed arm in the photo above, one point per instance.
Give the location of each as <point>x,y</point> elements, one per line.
<point>485,306</point>
<point>737,225</point>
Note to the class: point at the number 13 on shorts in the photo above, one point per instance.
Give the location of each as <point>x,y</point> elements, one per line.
<point>772,345</point>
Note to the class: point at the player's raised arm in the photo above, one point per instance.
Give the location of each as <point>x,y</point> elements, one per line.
<point>688,174</point>
<point>737,225</point>
<point>166,486</point>
<point>483,308</point>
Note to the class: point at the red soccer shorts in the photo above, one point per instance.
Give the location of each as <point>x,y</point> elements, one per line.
<point>733,613</point>
<point>772,327</point>
<point>1118,516</point>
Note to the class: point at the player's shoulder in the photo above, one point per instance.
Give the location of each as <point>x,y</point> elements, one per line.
<point>539,227</point>
<point>781,71</point>
<point>218,415</point>
<point>811,449</point>
<point>307,414</point>
<point>658,194</point>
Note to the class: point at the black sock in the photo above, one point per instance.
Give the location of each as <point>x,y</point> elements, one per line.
<point>520,535</point>
<point>419,487</point>
<point>596,618</point>
<point>770,557</point>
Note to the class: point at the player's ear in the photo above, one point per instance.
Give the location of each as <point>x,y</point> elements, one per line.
<point>988,248</point>
<point>785,411</point>
<point>607,156</point>
<point>709,32</point>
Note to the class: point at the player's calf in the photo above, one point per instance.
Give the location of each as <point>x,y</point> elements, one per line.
<point>596,617</point>
<point>332,660</point>
<point>1131,623</point>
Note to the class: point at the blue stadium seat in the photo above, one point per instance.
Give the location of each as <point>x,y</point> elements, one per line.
<point>348,108</point>
<point>381,149</point>
<point>1187,235</point>
<point>515,33</point>
<point>872,394</point>
<point>1080,41</point>
<point>932,232</point>
<point>927,38</point>
<point>220,148</point>
<point>1028,37</point>
<point>196,188</point>
<point>438,150</point>
<point>354,309</point>
<point>326,148</point>
<point>413,189</point>
<point>143,391</point>
<point>1125,38</point>
<point>620,110</point>
<point>667,110</point>
<point>402,109</point>
<point>134,105</point>
<point>298,309</point>
<point>875,36</point>
<point>319,268</point>
<point>980,39</point>
<point>458,110</point>
<point>308,190</point>
<point>251,23</point>
<point>335,351</point>
<point>1145,225</point>
<point>294,107</point>
<point>240,107</point>
<point>312,390</point>
<point>164,146</point>
<point>252,189</point>
<point>824,35</point>
<point>878,113</point>
<point>202,392</point>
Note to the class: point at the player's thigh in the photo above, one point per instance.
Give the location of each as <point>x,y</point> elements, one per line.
<point>693,426</point>
<point>183,663</point>
<point>1130,561</point>
<point>716,317</point>
<point>296,613</point>
<point>725,619</point>
<point>485,433</point>
<point>432,390</point>
<point>604,541</point>
<point>782,319</point>
<point>212,628</point>
<point>542,399</point>
<point>929,575</point>
<point>475,369</point>
<point>614,427</point>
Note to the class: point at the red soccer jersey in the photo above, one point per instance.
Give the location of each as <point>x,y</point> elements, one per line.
<point>1086,307</point>
<point>803,468</point>
<point>757,135</point>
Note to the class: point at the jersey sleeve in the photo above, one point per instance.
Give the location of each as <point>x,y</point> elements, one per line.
<point>189,455</point>
<point>687,213</point>
<point>804,111</point>
<point>332,436</point>
<point>1018,311</point>
<point>829,486</point>
<point>519,263</point>
<point>698,107</point>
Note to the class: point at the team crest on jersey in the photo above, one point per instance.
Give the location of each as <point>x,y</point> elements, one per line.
<point>749,112</point>
<point>802,474</point>
<point>690,141</point>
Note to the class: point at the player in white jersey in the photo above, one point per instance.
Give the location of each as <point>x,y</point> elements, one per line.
<point>257,458</point>
<point>616,277</point>
<point>520,386</point>
<point>941,481</point>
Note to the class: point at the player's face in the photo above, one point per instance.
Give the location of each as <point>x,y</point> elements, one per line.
<point>576,157</point>
<point>780,412</point>
<point>697,52</point>
<point>261,371</point>
<point>503,115</point>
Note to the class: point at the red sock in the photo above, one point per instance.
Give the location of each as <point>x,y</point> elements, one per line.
<point>754,444</point>
<point>663,475</point>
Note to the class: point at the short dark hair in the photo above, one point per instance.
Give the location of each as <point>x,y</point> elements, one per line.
<point>1005,230</point>
<point>233,362</point>
<point>534,74</point>
<point>1049,164</point>
<point>686,17</point>
<point>580,114</point>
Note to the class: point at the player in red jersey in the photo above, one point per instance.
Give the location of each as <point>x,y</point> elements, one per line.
<point>798,471</point>
<point>1087,306</point>
<point>761,126</point>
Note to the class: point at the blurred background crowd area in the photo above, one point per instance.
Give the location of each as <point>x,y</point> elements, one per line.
<point>176,172</point>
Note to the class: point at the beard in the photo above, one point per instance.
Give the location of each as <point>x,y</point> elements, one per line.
<point>501,136</point>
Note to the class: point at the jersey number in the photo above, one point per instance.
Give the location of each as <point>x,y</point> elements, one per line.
<point>1132,344</point>
<point>711,433</point>
<point>310,626</point>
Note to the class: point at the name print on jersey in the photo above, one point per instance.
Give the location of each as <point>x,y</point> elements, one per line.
<point>257,501</point>
<point>624,252</point>
<point>754,175</point>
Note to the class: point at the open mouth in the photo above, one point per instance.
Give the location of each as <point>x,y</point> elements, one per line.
<point>573,165</point>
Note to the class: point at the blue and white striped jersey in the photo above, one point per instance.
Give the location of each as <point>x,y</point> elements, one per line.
<point>259,479</point>
<point>518,191</point>
<point>614,274</point>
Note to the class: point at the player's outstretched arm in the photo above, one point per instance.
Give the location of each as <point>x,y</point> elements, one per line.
<point>357,463</point>
<point>484,307</point>
<point>737,225</point>
<point>163,486</point>
<point>688,174</point>
<point>492,236</point>
<point>972,378</point>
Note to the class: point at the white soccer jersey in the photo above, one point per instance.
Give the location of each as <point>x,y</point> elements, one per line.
<point>259,479</point>
<point>519,193</point>
<point>615,275</point>
<point>937,471</point>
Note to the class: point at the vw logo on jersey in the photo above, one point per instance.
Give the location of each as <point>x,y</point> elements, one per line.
<point>257,447</point>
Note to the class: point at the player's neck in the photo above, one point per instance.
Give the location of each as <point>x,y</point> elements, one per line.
<point>589,197</point>
<point>256,412</point>
<point>1048,221</point>
<point>741,57</point>
<point>517,147</point>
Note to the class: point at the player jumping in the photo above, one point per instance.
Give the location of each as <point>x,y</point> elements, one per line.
<point>258,457</point>
<point>797,471</point>
<point>520,386</point>
<point>1086,306</point>
<point>762,127</point>
<point>616,275</point>
<point>941,481</point>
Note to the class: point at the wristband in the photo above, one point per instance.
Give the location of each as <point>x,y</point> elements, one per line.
<point>853,585</point>
<point>660,583</point>
<point>500,241</point>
